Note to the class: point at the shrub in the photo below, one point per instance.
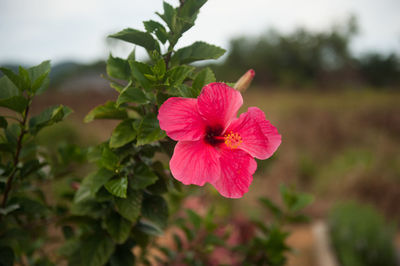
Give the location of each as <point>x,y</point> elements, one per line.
<point>361,236</point>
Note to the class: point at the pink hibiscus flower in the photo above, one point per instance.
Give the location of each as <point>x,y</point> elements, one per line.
<point>214,145</point>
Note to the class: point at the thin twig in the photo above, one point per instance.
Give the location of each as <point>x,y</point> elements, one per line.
<point>16,157</point>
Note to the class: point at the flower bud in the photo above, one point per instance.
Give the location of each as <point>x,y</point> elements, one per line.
<point>244,82</point>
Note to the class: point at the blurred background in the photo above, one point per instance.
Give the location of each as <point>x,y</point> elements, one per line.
<point>327,76</point>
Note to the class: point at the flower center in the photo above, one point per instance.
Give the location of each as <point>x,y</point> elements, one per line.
<point>233,140</point>
<point>213,135</point>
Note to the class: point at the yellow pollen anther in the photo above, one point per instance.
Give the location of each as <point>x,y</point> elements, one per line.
<point>232,140</point>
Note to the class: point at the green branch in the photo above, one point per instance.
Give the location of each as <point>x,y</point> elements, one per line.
<point>16,157</point>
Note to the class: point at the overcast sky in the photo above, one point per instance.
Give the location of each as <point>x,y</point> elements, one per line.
<point>35,30</point>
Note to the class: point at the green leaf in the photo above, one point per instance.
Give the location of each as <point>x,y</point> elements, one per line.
<point>160,68</point>
<point>191,8</point>
<point>95,152</point>
<point>68,232</point>
<point>204,77</point>
<point>287,195</point>
<point>108,159</point>
<point>139,72</point>
<point>155,209</point>
<point>161,98</point>
<point>276,211</point>
<point>30,166</point>
<point>130,207</point>
<point>3,122</point>
<point>41,84</point>
<point>295,201</point>
<point>118,68</point>
<point>178,74</point>
<point>133,95</point>
<point>122,134</point>
<point>187,15</point>
<point>14,78</point>
<point>196,52</point>
<point>24,78</point>
<point>137,37</point>
<point>7,88</point>
<point>149,228</point>
<point>92,183</point>
<point>12,132</point>
<point>39,75</point>
<point>91,208</point>
<point>303,200</point>
<point>96,249</point>
<point>117,86</point>
<point>48,117</point>
<point>178,242</point>
<point>16,103</point>
<point>299,218</point>
<point>184,91</point>
<point>169,16</point>
<point>190,235</point>
<point>109,110</point>
<point>194,218</point>
<point>118,227</point>
<point>159,187</point>
<point>70,249</point>
<point>149,130</point>
<point>104,196</point>
<point>142,177</point>
<point>29,206</point>
<point>6,256</point>
<point>158,29</point>
<point>122,256</point>
<point>118,186</point>
<point>214,240</point>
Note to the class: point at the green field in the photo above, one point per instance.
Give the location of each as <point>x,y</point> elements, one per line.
<point>337,145</point>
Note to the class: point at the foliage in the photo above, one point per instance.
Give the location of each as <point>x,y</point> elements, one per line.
<point>121,204</point>
<point>203,241</point>
<point>125,201</point>
<point>305,58</point>
<point>195,242</point>
<point>361,236</point>
<point>380,70</point>
<point>268,246</point>
<point>296,59</point>
<point>25,209</point>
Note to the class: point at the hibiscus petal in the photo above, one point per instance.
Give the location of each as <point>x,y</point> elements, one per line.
<point>259,138</point>
<point>218,104</point>
<point>253,140</point>
<point>274,138</point>
<point>180,119</point>
<point>237,169</point>
<point>195,162</point>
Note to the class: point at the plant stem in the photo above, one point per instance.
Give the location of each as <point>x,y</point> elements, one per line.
<point>169,54</point>
<point>173,43</point>
<point>16,157</point>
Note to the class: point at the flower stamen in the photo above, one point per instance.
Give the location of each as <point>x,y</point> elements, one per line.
<point>233,140</point>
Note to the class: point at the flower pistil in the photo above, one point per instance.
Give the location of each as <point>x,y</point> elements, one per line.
<point>233,140</point>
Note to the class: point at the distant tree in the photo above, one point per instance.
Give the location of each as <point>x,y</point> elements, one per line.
<point>380,70</point>
<point>296,59</point>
